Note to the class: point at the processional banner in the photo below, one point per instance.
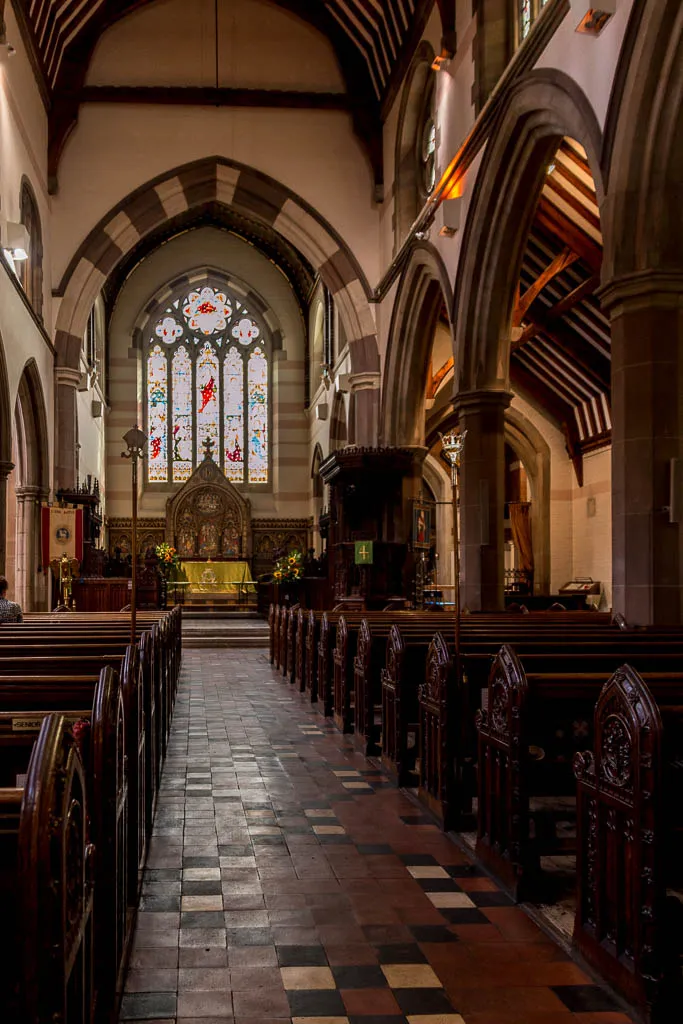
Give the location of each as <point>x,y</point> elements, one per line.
<point>62,533</point>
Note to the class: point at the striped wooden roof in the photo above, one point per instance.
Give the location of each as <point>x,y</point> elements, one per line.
<point>373,40</point>
<point>561,354</point>
<point>378,30</point>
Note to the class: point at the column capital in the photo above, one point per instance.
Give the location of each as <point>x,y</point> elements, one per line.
<point>643,289</point>
<point>66,375</point>
<point>369,380</point>
<point>29,492</point>
<point>473,401</point>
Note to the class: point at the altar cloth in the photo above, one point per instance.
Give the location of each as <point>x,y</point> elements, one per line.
<point>218,577</point>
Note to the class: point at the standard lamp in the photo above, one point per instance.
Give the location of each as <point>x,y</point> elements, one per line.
<point>135,441</point>
<point>453,445</point>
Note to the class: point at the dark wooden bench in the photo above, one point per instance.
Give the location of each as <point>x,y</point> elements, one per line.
<point>539,713</point>
<point>628,925</point>
<point>46,886</point>
<point>101,740</point>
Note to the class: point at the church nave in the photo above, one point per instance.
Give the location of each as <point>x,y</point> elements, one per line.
<point>288,878</point>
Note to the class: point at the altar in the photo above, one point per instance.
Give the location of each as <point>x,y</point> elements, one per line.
<point>209,577</point>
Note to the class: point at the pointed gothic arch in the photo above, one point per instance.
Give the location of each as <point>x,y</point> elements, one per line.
<point>544,107</point>
<point>423,292</point>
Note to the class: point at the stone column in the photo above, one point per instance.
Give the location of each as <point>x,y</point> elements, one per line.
<point>5,470</point>
<point>364,408</point>
<point>646,311</point>
<point>66,419</point>
<point>482,499</point>
<point>27,556</point>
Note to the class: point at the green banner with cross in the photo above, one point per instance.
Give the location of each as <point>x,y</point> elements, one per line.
<point>363,552</point>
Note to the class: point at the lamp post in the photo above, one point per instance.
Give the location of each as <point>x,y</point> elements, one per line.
<point>453,445</point>
<point>135,449</point>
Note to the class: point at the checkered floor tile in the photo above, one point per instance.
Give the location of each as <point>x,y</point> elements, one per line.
<point>287,881</point>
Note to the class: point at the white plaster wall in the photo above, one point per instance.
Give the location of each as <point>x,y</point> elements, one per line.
<point>160,45</point>
<point>23,144</point>
<point>592,534</point>
<point>591,61</point>
<point>91,438</point>
<point>22,341</point>
<point>289,438</point>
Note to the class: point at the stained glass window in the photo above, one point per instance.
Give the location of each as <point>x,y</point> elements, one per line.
<point>207,357</point>
<point>181,438</point>
<point>525,17</point>
<point>207,311</point>
<point>258,417</point>
<point>208,409</point>
<point>233,370</point>
<point>157,415</point>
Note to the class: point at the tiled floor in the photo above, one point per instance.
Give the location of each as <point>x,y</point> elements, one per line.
<point>288,879</point>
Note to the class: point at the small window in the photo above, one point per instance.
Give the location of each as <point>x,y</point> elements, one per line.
<point>30,271</point>
<point>426,144</point>
<point>527,12</point>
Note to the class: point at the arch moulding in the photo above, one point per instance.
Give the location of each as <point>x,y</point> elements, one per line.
<point>423,290</point>
<point>545,106</point>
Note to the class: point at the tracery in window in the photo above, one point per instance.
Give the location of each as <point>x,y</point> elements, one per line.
<point>258,417</point>
<point>208,338</point>
<point>157,414</point>
<point>182,416</point>
<point>233,369</point>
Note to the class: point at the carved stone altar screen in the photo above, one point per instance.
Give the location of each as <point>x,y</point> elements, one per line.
<point>208,517</point>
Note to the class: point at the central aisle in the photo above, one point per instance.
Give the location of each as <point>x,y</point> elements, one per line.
<point>288,879</point>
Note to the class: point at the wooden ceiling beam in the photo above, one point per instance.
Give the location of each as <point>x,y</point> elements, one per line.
<point>557,311</point>
<point>552,220</point>
<point>221,97</point>
<point>436,379</point>
<point>560,263</point>
<point>595,367</point>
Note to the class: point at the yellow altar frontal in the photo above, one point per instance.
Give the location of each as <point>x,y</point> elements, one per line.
<point>218,577</point>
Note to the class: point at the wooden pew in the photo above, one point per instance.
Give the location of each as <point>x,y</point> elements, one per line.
<point>46,887</point>
<point>630,844</point>
<point>539,713</point>
<point>273,611</point>
<point>32,687</point>
<point>289,661</point>
<point>102,748</point>
<point>369,661</point>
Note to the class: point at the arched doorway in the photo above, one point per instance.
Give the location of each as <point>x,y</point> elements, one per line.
<point>29,486</point>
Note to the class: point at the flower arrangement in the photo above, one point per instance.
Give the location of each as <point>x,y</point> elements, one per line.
<point>289,567</point>
<point>169,562</point>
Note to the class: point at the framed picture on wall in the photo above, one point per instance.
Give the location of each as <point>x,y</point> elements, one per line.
<point>423,525</point>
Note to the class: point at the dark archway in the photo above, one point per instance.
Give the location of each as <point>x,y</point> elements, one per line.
<point>423,293</point>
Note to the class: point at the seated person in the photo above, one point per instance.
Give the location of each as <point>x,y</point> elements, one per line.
<point>10,611</point>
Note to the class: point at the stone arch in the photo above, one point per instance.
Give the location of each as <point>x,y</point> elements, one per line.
<point>31,486</point>
<point>645,183</point>
<point>6,465</point>
<point>406,199</point>
<point>534,452</point>
<point>248,194</point>
<point>544,106</point>
<point>423,291</point>
<point>438,478</point>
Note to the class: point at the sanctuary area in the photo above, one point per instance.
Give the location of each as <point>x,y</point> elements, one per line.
<point>341,511</point>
